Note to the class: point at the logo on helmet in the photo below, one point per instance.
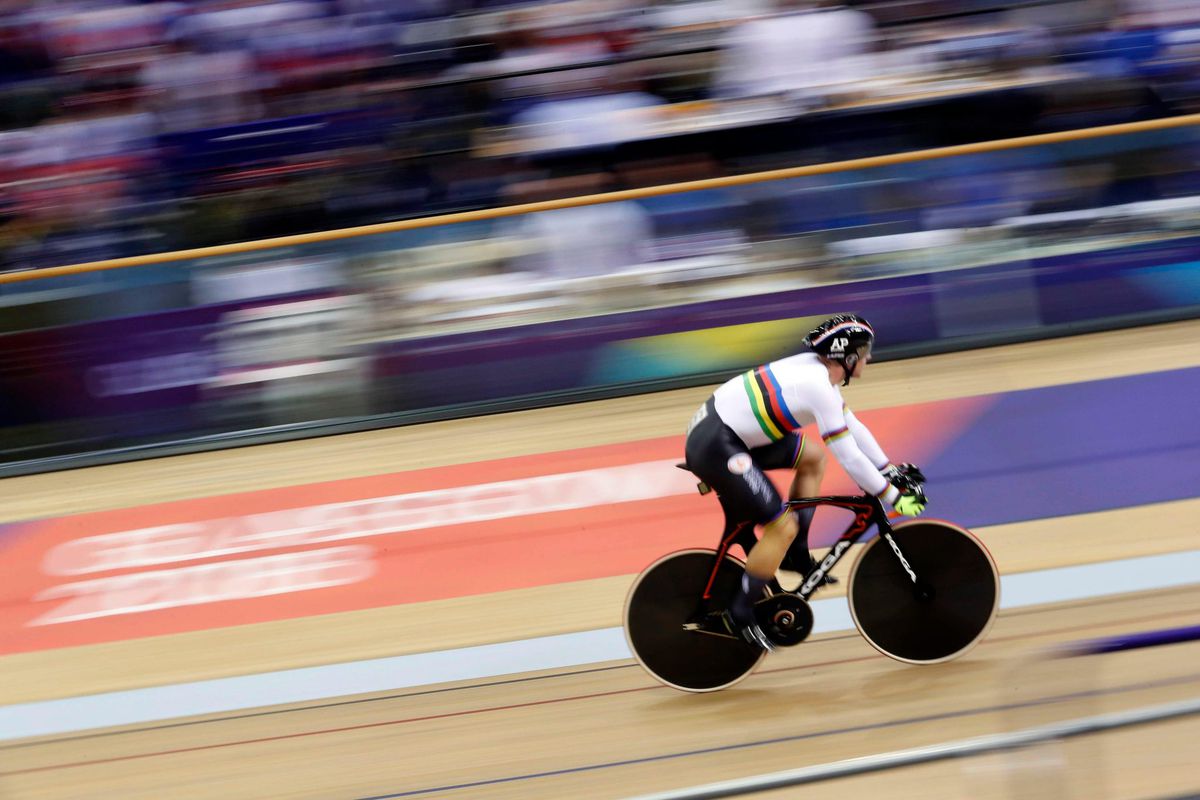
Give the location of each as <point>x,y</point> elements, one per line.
<point>838,345</point>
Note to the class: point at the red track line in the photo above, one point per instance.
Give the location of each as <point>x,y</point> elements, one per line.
<point>531,704</point>
<point>344,729</point>
<point>207,720</point>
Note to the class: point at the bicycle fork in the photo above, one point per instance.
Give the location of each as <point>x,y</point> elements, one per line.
<point>922,588</point>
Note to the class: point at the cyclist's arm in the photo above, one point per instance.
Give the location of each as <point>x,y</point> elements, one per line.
<point>835,432</point>
<point>866,440</point>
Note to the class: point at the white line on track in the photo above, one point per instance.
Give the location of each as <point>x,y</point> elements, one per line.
<point>74,714</point>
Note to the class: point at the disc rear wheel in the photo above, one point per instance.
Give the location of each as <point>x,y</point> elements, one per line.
<point>664,598</point>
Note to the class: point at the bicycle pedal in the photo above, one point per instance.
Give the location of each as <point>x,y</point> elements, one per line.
<point>756,636</point>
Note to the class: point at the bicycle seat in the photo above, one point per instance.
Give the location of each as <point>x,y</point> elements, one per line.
<point>701,486</point>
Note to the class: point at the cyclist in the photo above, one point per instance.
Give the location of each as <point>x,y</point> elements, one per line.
<point>753,423</point>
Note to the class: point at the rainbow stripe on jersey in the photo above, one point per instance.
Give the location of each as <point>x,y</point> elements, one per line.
<point>833,436</point>
<point>766,400</point>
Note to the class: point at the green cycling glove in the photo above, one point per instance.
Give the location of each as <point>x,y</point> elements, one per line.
<point>910,505</point>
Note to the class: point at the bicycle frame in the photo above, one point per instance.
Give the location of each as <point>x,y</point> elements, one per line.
<point>868,511</point>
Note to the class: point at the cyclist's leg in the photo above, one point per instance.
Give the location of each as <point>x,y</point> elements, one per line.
<point>761,566</point>
<point>777,536</point>
<point>720,459</point>
<point>808,468</point>
<point>810,471</point>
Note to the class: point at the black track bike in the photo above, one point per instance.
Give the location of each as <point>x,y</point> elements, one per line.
<point>923,591</point>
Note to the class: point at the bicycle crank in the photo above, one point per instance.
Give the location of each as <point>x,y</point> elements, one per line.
<point>786,619</point>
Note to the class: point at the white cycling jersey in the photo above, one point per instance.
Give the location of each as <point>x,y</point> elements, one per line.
<point>766,403</point>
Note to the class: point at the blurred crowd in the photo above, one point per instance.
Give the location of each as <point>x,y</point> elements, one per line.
<point>135,127</point>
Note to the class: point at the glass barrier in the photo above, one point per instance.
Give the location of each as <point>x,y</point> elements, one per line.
<point>603,298</point>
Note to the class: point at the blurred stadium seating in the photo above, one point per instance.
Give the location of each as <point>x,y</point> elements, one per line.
<point>136,127</point>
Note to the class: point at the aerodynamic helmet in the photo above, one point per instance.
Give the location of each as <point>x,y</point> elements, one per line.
<point>844,338</point>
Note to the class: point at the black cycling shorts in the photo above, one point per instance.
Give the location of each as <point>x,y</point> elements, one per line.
<point>735,472</point>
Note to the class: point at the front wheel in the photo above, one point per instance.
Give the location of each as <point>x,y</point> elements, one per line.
<point>669,595</point>
<point>944,612</point>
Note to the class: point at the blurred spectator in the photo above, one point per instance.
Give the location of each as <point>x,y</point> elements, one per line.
<point>227,25</point>
<point>1160,13</point>
<point>172,124</point>
<point>601,108</point>
<point>582,241</point>
<point>23,54</point>
<point>806,49</point>
<point>186,88</point>
<point>530,42</point>
<point>76,180</point>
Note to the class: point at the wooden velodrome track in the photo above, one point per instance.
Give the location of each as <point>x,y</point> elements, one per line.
<point>608,730</point>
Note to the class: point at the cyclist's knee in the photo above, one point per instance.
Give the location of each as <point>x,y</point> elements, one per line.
<point>783,528</point>
<point>811,462</point>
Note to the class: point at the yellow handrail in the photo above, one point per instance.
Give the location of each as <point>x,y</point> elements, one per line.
<point>610,197</point>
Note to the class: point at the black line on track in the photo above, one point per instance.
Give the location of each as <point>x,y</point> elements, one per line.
<point>529,679</point>
<point>874,726</point>
<point>318,707</point>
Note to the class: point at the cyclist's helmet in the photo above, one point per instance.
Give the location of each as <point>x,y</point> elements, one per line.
<point>845,338</point>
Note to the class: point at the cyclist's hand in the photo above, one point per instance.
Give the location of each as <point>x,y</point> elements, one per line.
<point>905,477</point>
<point>910,505</point>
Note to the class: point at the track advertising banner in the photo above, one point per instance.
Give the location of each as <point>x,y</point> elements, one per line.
<point>384,540</point>
<point>555,518</point>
